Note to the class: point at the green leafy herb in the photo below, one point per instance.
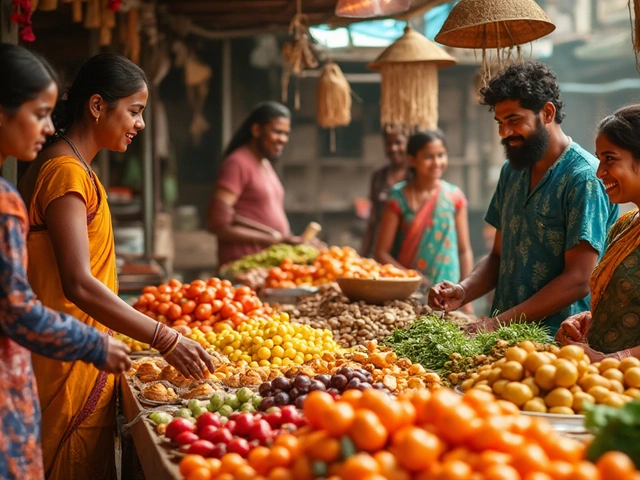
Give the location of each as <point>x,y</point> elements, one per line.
<point>614,429</point>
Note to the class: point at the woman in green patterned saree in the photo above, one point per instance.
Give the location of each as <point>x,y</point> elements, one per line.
<point>612,327</point>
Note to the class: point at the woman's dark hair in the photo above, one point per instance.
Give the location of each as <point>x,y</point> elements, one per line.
<point>24,75</point>
<point>261,114</point>
<point>532,83</point>
<point>622,128</point>
<point>418,140</point>
<point>109,75</point>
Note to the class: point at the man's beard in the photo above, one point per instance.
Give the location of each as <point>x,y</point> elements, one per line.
<point>273,158</point>
<point>531,151</point>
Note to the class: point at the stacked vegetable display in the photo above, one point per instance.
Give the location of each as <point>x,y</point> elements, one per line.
<point>421,435</point>
<point>561,383</point>
<point>213,305</point>
<point>273,257</point>
<point>330,264</point>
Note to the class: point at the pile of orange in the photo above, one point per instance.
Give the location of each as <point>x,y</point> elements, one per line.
<point>330,264</point>
<point>213,305</point>
<point>422,435</point>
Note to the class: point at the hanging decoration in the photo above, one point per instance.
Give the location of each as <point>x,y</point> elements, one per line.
<point>333,100</point>
<point>196,76</point>
<point>409,86</point>
<point>21,16</point>
<point>495,25</point>
<point>635,29</point>
<point>297,54</point>
<point>371,8</point>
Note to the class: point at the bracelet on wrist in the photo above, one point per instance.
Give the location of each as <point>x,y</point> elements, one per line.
<point>173,345</point>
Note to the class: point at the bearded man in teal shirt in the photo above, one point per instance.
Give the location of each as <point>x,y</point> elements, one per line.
<point>550,210</point>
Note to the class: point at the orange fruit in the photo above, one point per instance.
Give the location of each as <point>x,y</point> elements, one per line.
<point>290,442</point>
<point>280,473</point>
<point>359,467</point>
<point>258,459</point>
<point>245,472</point>
<point>200,473</point>
<point>615,465</point>
<point>316,406</point>
<point>214,465</point>
<point>279,457</point>
<point>367,432</point>
<point>231,462</point>
<point>457,425</point>
<point>192,462</point>
<point>301,469</point>
<point>488,458</point>
<point>501,472</point>
<point>537,476</point>
<point>585,471</point>
<point>455,470</point>
<point>338,418</point>
<point>530,458</point>
<point>559,470</point>
<point>416,448</point>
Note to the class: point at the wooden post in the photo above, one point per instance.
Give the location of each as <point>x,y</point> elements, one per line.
<point>8,34</point>
<point>148,182</point>
<point>227,119</point>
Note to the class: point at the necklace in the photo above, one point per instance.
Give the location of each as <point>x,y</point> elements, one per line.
<point>412,191</point>
<point>86,166</point>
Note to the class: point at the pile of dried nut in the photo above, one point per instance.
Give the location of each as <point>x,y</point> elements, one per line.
<point>396,374</point>
<point>353,323</point>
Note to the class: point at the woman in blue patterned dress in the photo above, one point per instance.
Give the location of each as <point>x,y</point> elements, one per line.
<point>28,93</point>
<point>424,226</point>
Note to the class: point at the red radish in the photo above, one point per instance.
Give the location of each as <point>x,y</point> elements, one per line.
<point>185,438</point>
<point>240,446</point>
<point>202,447</point>
<point>208,418</point>
<point>177,426</point>
<point>274,419</point>
<point>222,435</point>
<point>244,423</point>
<point>208,432</point>
<point>260,431</point>
<point>219,451</point>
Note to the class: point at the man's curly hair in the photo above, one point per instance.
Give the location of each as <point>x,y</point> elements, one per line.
<point>532,83</point>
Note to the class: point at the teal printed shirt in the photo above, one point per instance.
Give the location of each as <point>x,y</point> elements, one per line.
<point>568,206</point>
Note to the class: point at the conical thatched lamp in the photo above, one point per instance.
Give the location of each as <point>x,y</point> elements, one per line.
<point>409,87</point>
<point>495,24</point>
<point>333,100</point>
<point>370,8</point>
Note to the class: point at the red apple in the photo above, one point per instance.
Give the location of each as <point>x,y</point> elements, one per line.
<point>185,438</point>
<point>290,414</point>
<point>244,422</point>
<point>177,426</point>
<point>260,431</point>
<point>202,447</point>
<point>240,446</point>
<point>274,419</point>
<point>231,426</point>
<point>219,451</point>
<point>208,418</point>
<point>208,432</point>
<point>222,435</point>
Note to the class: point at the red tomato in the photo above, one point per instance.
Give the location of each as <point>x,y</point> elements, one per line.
<point>176,297</point>
<point>188,307</point>
<point>163,308</point>
<point>249,304</point>
<point>239,318</point>
<point>228,311</point>
<point>217,305</point>
<point>165,288</point>
<point>204,311</point>
<point>194,291</point>
<point>175,284</point>
<point>207,296</point>
<point>242,291</point>
<point>174,312</point>
<point>149,289</point>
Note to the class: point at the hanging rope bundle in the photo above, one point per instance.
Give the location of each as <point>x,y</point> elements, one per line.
<point>297,53</point>
<point>333,99</point>
<point>409,96</point>
<point>635,29</point>
<point>409,84</point>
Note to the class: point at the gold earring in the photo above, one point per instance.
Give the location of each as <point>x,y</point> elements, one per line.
<point>97,119</point>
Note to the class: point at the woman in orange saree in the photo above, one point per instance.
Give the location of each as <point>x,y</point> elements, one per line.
<point>72,266</point>
<point>612,327</point>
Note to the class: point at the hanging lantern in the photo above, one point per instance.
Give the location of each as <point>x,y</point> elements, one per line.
<point>409,87</point>
<point>491,24</point>
<point>333,100</point>
<point>371,8</point>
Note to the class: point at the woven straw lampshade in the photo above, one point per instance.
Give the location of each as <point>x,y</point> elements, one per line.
<point>498,24</point>
<point>409,87</point>
<point>333,100</point>
<point>370,8</point>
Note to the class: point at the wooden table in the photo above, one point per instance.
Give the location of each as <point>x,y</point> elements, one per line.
<point>153,456</point>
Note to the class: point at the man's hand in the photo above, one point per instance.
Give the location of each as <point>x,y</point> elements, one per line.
<point>446,296</point>
<point>487,324</point>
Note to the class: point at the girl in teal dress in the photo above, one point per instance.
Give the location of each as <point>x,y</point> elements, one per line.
<point>425,226</point>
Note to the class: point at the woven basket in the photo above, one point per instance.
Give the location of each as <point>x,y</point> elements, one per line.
<point>409,85</point>
<point>333,98</point>
<point>486,24</point>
